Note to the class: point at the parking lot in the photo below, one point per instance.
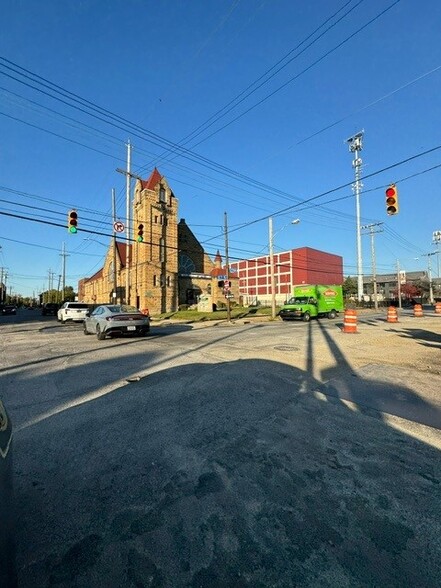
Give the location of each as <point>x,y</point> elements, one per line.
<point>243,454</point>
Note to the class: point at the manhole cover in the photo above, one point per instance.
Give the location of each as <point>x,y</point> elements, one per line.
<point>286,348</point>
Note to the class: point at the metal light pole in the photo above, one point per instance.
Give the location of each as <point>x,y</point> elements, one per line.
<point>271,253</point>
<point>355,146</point>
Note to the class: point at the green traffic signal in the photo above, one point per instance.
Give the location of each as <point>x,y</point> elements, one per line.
<point>72,222</point>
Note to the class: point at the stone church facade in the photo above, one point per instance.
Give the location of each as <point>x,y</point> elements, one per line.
<point>166,269</point>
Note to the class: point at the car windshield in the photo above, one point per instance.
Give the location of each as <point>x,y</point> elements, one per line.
<point>298,300</point>
<point>123,308</point>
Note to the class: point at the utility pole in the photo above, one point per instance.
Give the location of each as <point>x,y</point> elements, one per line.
<point>272,273</point>
<point>227,265</point>
<point>2,287</point>
<point>129,176</point>
<point>429,267</point>
<point>128,227</point>
<point>63,271</point>
<point>399,284</point>
<point>115,286</point>
<point>355,146</point>
<point>374,267</point>
<point>436,241</point>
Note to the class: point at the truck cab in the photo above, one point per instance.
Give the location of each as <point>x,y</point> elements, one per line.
<point>299,307</point>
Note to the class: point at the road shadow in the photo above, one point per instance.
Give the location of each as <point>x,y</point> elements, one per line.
<point>232,474</point>
<point>375,388</point>
<point>434,339</point>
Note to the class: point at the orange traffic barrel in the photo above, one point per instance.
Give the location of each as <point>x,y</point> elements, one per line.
<point>417,310</point>
<point>438,308</point>
<point>392,315</point>
<point>350,321</point>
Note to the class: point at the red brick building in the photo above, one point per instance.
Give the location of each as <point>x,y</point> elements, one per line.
<point>298,266</point>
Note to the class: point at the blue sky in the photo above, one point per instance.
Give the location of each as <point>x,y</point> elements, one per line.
<point>161,70</point>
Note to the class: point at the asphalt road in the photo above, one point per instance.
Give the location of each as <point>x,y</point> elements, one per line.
<point>246,454</point>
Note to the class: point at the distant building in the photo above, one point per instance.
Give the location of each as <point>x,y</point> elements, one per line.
<point>298,266</point>
<point>387,284</point>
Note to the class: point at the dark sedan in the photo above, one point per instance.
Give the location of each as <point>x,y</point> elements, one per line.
<point>49,308</point>
<point>9,309</point>
<point>116,319</point>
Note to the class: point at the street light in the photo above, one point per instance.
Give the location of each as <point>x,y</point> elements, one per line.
<point>271,252</point>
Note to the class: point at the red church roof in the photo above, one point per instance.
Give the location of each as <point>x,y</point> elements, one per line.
<point>151,183</point>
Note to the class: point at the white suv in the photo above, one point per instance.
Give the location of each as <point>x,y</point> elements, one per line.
<point>72,311</point>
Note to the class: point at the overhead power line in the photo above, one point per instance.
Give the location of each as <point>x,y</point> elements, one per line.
<point>306,69</point>
<point>265,77</point>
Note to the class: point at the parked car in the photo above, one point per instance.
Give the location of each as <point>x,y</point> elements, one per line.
<point>8,309</point>
<point>72,311</point>
<point>50,308</point>
<point>8,577</point>
<point>116,319</point>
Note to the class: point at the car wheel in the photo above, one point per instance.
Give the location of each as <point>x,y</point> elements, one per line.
<point>145,332</point>
<point>332,314</point>
<point>99,334</point>
<point>306,317</point>
<point>86,332</point>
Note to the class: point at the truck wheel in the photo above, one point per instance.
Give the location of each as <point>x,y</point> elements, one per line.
<point>306,317</point>
<point>332,314</point>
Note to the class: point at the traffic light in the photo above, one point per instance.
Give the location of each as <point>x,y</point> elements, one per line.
<point>392,200</point>
<point>140,238</point>
<point>72,221</point>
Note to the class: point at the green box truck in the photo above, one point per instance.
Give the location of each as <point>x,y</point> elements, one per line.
<point>315,300</point>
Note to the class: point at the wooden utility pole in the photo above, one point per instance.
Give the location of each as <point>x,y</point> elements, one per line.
<point>227,266</point>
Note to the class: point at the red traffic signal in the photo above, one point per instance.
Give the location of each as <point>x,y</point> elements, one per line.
<point>72,221</point>
<point>392,200</point>
<point>140,238</point>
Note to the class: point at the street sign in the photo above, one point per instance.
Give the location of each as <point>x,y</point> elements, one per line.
<point>118,227</point>
<point>221,277</point>
<point>229,295</point>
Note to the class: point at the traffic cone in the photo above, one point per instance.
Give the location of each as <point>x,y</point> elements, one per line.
<point>392,315</point>
<point>350,321</point>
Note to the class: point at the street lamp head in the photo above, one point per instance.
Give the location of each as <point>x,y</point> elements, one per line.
<point>295,221</point>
